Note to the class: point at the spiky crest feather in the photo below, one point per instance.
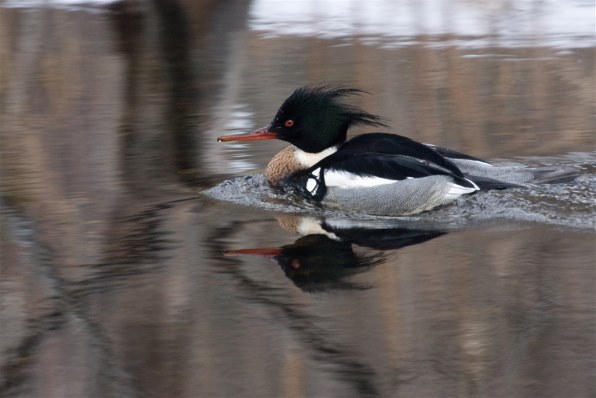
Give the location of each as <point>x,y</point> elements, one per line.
<point>327,95</point>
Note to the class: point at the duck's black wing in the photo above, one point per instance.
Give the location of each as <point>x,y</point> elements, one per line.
<point>399,145</point>
<point>440,156</point>
<point>451,154</point>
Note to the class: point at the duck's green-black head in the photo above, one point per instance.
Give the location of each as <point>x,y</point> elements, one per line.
<point>313,119</point>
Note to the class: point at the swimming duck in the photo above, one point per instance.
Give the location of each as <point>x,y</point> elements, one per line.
<point>374,173</point>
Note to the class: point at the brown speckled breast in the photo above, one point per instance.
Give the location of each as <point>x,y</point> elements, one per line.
<point>282,165</point>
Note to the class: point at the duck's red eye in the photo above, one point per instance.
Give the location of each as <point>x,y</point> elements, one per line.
<point>289,123</point>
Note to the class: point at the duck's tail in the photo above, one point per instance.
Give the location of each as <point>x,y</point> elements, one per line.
<point>550,175</point>
<point>487,176</point>
<point>485,183</point>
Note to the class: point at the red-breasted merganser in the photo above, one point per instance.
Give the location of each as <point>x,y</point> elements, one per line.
<point>375,173</point>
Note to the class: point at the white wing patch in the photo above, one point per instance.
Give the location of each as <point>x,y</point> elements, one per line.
<point>344,179</point>
<point>470,162</point>
<point>311,185</point>
<point>456,160</point>
<point>476,187</point>
<point>455,190</point>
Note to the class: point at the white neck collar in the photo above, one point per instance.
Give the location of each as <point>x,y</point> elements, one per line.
<point>308,159</point>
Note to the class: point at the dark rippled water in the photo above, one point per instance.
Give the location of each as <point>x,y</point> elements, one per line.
<point>141,258</point>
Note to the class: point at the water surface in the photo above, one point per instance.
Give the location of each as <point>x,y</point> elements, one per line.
<point>122,274</point>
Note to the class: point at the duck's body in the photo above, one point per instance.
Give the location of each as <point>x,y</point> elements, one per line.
<point>376,173</point>
<point>356,179</point>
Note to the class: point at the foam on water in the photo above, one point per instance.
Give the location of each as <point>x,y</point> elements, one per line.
<point>571,205</point>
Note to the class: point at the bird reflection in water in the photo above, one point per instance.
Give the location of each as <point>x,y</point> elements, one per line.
<point>329,252</point>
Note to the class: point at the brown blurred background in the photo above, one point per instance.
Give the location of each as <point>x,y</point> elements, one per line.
<point>112,278</point>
